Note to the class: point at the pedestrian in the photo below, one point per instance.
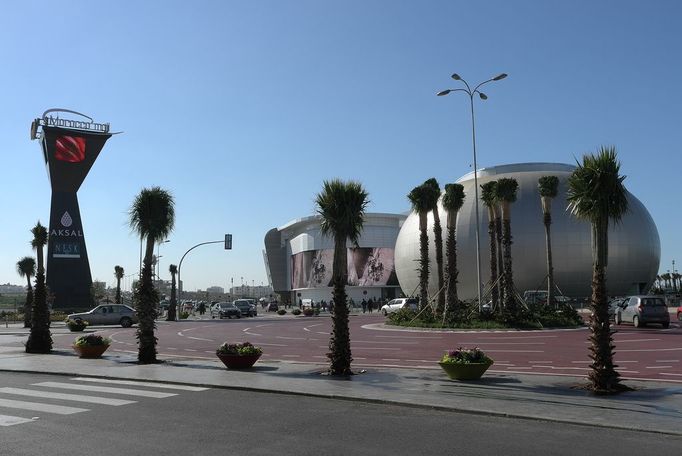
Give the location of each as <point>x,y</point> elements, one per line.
<point>202,308</point>
<point>369,306</point>
<point>300,303</point>
<point>364,305</point>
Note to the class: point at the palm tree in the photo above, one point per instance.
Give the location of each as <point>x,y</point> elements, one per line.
<point>118,273</point>
<point>341,206</point>
<point>488,196</point>
<point>152,216</point>
<point>26,267</point>
<point>173,269</point>
<point>596,193</point>
<point>452,203</point>
<point>549,188</point>
<point>438,238</point>
<point>505,193</point>
<point>420,197</point>
<point>40,339</point>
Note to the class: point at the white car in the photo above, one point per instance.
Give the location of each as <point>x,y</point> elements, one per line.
<point>395,305</point>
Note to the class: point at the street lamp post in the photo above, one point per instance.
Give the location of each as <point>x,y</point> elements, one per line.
<point>158,258</point>
<point>482,96</point>
<point>180,267</point>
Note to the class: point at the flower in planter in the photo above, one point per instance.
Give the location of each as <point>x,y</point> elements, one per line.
<point>245,349</point>
<point>465,356</point>
<point>91,340</point>
<point>76,325</point>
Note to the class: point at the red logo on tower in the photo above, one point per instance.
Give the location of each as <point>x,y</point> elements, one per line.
<point>70,149</point>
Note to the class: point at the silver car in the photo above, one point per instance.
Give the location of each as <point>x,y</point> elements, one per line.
<point>395,305</point>
<point>641,310</point>
<point>108,314</point>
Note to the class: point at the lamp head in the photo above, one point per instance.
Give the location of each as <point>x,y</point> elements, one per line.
<point>482,96</point>
<point>456,77</point>
<point>500,76</point>
<point>443,92</point>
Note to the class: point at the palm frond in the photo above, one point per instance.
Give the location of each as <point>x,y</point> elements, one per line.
<point>489,193</point>
<point>26,267</point>
<point>548,186</point>
<point>39,236</point>
<point>118,272</point>
<point>595,188</point>
<point>420,197</point>
<point>453,199</point>
<point>341,206</point>
<point>173,269</point>
<point>152,213</point>
<point>506,189</point>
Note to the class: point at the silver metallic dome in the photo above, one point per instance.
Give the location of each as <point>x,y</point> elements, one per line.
<point>634,245</point>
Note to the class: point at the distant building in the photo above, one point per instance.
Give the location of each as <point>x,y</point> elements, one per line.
<point>246,291</point>
<point>299,259</point>
<point>215,290</point>
<point>12,289</point>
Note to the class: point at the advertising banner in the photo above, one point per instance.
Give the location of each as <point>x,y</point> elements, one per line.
<point>366,267</point>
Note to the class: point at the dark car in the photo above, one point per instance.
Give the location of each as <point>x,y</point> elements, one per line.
<point>247,309</point>
<point>273,307</point>
<point>225,310</point>
<point>642,310</point>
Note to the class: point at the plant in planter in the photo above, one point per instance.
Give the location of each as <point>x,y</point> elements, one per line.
<point>76,325</point>
<point>91,346</point>
<point>283,312</point>
<point>239,356</point>
<point>308,311</point>
<point>296,311</point>
<point>465,364</point>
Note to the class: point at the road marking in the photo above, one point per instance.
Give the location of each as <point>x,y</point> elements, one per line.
<point>542,362</point>
<point>382,342</point>
<point>8,420</point>
<point>40,407</point>
<point>136,383</point>
<point>199,338</point>
<point>106,389</point>
<point>68,397</point>
<point>650,350</point>
<point>501,343</point>
<point>411,337</point>
<point>171,348</point>
<point>292,338</point>
<point>266,324</point>
<point>246,331</point>
<point>390,359</point>
<point>366,348</point>
<point>620,341</point>
<point>658,367</point>
<point>668,361</point>
<point>666,373</point>
<point>514,351</point>
<point>190,350</point>
<point>560,368</point>
<point>274,345</point>
<point>291,356</point>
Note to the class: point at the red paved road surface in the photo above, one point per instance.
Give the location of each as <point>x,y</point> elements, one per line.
<point>643,353</point>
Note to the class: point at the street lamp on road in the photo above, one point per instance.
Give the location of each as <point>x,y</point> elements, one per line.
<point>482,96</point>
<point>158,261</point>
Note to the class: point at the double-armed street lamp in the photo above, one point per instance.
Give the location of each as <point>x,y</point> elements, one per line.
<point>482,96</point>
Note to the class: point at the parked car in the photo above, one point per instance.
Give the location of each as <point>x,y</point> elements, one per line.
<point>273,307</point>
<point>247,309</point>
<point>642,310</point>
<point>616,304</point>
<point>540,297</point>
<point>225,310</point>
<point>108,314</point>
<point>679,313</point>
<point>395,305</point>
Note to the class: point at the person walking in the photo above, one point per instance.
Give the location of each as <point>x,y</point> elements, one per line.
<point>364,305</point>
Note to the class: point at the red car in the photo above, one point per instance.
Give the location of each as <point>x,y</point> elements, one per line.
<point>679,313</point>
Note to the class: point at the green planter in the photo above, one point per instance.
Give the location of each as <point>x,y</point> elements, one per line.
<point>471,371</point>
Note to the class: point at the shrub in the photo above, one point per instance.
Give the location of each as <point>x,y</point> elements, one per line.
<point>296,311</point>
<point>308,312</point>
<point>184,315</point>
<point>282,312</point>
<point>76,325</point>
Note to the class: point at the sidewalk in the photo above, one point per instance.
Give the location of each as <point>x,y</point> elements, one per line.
<point>654,407</point>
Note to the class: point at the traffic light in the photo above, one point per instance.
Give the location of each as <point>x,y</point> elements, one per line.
<point>228,242</point>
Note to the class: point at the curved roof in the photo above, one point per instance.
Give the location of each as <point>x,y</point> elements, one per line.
<point>519,168</point>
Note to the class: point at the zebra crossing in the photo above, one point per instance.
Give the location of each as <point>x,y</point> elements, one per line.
<point>72,396</point>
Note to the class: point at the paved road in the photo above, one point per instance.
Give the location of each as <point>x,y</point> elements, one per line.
<point>57,415</point>
<point>641,353</point>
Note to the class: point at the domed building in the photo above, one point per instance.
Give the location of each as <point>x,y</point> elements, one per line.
<point>634,245</point>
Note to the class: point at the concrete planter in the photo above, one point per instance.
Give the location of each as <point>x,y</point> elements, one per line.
<point>238,361</point>
<point>471,371</point>
<point>90,351</point>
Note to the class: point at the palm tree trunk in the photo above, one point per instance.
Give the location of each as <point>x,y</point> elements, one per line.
<point>603,377</point>
<point>550,267</point>
<point>494,292</point>
<point>500,261</point>
<point>173,300</point>
<point>146,302</point>
<point>509,297</point>
<point>423,262</point>
<point>438,238</point>
<point>118,290</point>
<point>339,343</point>
<point>28,303</point>
<point>452,300</point>
<point>40,339</point>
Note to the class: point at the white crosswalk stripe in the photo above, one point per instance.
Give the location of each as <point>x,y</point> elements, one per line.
<point>8,420</point>
<point>46,390</point>
<point>65,396</point>
<point>106,389</point>
<point>40,407</point>
<point>136,383</point>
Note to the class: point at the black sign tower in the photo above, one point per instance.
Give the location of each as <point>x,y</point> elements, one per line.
<point>70,148</point>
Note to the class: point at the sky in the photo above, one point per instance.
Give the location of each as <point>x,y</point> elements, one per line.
<point>242,109</point>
